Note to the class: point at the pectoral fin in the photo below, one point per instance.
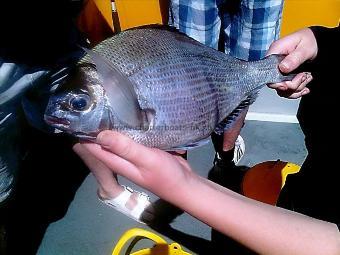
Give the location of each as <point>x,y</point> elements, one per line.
<point>120,92</point>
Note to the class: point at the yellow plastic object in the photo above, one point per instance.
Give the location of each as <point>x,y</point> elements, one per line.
<point>263,182</point>
<point>298,14</point>
<point>134,13</point>
<point>160,248</point>
<point>289,168</point>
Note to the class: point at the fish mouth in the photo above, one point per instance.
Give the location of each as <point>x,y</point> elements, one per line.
<point>57,122</point>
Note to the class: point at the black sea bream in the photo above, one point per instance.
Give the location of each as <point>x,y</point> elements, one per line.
<point>159,87</point>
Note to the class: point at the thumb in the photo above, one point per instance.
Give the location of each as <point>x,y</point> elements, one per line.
<point>292,61</point>
<point>128,149</point>
<point>289,46</point>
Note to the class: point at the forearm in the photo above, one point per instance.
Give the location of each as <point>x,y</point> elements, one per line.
<point>263,228</point>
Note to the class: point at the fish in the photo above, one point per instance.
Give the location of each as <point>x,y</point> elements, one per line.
<point>159,87</point>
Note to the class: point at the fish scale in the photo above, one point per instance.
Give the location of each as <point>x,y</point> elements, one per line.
<point>183,89</point>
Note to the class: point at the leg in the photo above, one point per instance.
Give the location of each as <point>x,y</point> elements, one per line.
<point>111,193</point>
<point>225,144</point>
<point>225,172</point>
<point>107,180</point>
<point>230,136</point>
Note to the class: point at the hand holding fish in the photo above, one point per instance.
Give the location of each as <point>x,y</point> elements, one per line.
<point>154,169</point>
<point>299,47</point>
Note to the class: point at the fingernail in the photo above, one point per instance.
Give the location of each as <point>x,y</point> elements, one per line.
<point>304,77</point>
<point>309,76</point>
<point>304,92</point>
<point>99,137</point>
<point>284,66</point>
<point>102,139</point>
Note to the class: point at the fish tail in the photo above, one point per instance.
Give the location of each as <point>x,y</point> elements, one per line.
<point>272,62</point>
<point>263,72</point>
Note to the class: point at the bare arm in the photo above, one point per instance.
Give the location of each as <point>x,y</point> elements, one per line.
<point>263,228</point>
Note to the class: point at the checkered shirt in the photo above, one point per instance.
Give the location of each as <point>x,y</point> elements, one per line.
<point>245,29</point>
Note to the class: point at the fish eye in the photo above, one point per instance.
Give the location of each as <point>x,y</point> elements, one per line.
<point>80,102</point>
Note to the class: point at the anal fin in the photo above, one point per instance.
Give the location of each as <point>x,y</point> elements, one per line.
<point>191,145</point>
<point>234,115</point>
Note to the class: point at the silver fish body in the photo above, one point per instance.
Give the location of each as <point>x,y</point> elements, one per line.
<point>181,89</point>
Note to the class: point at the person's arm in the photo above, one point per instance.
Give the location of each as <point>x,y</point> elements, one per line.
<point>261,227</point>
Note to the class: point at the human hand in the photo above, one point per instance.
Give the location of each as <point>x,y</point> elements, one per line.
<point>299,47</point>
<point>153,169</point>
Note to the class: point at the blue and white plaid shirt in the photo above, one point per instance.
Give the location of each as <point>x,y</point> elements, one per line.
<point>248,26</point>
